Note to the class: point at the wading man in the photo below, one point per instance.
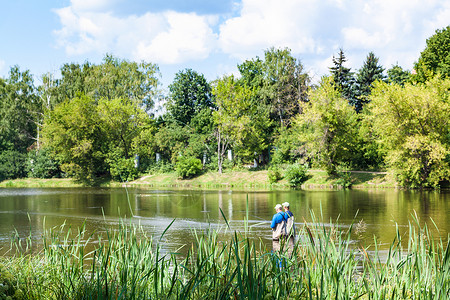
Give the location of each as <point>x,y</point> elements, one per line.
<point>278,227</point>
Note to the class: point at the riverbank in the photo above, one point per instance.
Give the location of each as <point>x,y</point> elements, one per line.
<point>247,179</point>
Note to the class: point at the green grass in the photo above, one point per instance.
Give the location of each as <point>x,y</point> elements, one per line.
<point>246,179</point>
<point>127,264</point>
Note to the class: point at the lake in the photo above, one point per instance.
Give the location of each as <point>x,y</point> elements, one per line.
<point>30,210</point>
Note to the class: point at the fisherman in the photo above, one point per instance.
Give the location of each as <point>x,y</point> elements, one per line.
<point>290,226</point>
<point>278,227</point>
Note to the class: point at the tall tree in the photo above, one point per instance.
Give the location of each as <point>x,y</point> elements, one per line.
<point>368,74</point>
<point>190,93</point>
<point>327,127</point>
<point>20,111</point>
<point>285,85</point>
<point>239,122</point>
<point>413,128</point>
<point>435,59</point>
<point>113,78</point>
<point>397,75</point>
<point>342,76</point>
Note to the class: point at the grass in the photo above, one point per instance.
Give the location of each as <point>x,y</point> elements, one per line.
<point>325,264</point>
<point>246,179</point>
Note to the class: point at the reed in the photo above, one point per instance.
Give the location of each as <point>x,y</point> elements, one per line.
<point>325,263</point>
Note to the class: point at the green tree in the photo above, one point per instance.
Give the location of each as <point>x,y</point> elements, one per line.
<point>190,94</point>
<point>327,127</point>
<point>74,135</point>
<point>342,76</point>
<point>239,121</point>
<point>396,75</point>
<point>435,58</point>
<point>285,85</point>
<point>20,111</point>
<point>365,77</point>
<point>113,78</point>
<point>413,127</point>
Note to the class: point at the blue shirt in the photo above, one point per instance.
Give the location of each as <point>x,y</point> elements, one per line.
<point>277,218</point>
<point>289,213</point>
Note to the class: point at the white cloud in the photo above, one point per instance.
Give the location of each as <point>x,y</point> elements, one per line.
<point>266,23</point>
<point>167,37</point>
<point>314,30</point>
<point>188,37</point>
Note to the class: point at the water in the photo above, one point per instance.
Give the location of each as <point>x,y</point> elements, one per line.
<point>30,211</point>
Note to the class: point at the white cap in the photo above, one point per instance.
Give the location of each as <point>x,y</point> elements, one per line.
<point>278,206</point>
<point>286,204</point>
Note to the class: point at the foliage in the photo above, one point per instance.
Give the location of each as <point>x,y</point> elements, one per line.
<point>239,121</point>
<point>342,76</point>
<point>435,58</point>
<point>188,167</point>
<point>412,126</point>
<point>274,175</point>
<point>20,111</point>
<point>113,78</point>
<point>121,168</point>
<point>9,287</point>
<point>40,164</point>
<point>285,85</point>
<point>344,178</point>
<point>327,127</point>
<point>190,94</point>
<point>370,72</point>
<point>396,75</point>
<point>74,135</point>
<point>296,174</point>
<point>12,164</point>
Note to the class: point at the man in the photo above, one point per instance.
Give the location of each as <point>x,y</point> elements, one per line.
<point>278,227</point>
<point>290,226</point>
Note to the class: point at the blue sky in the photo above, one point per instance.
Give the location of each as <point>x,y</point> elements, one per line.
<point>212,37</point>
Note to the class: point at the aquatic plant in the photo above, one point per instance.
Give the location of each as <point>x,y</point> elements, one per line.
<point>326,263</point>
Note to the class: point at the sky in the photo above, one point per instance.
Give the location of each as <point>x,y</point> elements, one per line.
<point>213,36</point>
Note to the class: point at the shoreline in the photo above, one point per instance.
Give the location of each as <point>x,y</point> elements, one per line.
<point>246,179</point>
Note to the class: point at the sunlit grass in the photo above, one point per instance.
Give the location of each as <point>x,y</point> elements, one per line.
<point>326,263</point>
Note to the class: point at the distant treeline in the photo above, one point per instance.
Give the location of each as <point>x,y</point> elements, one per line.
<point>94,122</point>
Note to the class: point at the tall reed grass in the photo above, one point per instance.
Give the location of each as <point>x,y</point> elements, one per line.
<point>325,264</point>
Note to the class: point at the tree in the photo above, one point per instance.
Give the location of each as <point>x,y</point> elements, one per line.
<point>365,77</point>
<point>285,84</point>
<point>20,111</point>
<point>396,75</point>
<point>413,128</point>
<point>73,133</point>
<point>190,93</point>
<point>435,58</point>
<point>238,120</point>
<point>113,78</point>
<point>327,127</point>
<point>342,76</point>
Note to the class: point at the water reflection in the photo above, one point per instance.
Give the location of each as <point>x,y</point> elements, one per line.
<point>32,210</point>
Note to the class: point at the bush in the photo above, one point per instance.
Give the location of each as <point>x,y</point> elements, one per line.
<point>274,175</point>
<point>12,164</point>
<point>40,165</point>
<point>9,288</point>
<point>123,169</point>
<point>188,167</point>
<point>296,174</point>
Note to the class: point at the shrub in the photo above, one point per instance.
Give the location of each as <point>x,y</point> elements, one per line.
<point>123,169</point>
<point>40,165</point>
<point>12,165</point>
<point>188,167</point>
<point>296,175</point>
<point>9,288</point>
<point>274,175</point>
